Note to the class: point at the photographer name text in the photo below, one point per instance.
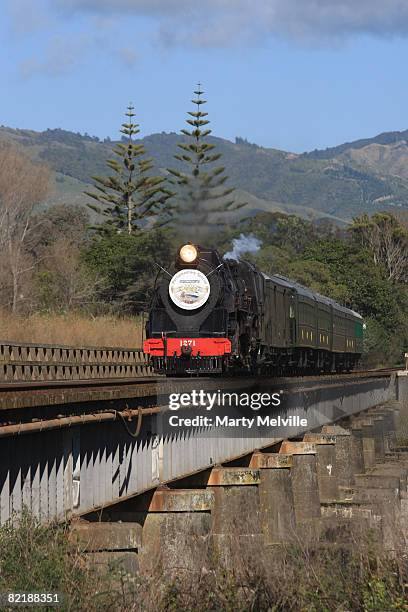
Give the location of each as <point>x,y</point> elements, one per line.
<point>248,422</point>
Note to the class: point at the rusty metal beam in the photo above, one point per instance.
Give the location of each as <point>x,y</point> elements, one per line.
<point>83,419</point>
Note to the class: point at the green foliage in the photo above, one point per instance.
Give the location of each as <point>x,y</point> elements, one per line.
<point>127,262</point>
<point>272,260</point>
<point>379,594</point>
<point>130,195</point>
<point>319,278</point>
<point>39,558</point>
<point>295,232</point>
<point>367,288</point>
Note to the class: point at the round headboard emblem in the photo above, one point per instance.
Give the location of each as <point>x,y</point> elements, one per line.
<point>189,289</point>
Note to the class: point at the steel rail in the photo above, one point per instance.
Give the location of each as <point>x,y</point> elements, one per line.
<point>116,382</point>
<point>23,395</point>
<point>24,385</point>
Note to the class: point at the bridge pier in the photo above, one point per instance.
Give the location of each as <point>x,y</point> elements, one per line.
<point>327,469</point>
<point>108,544</point>
<point>345,449</point>
<point>382,496</point>
<point>402,399</point>
<point>277,505</point>
<point>236,530</point>
<point>176,526</point>
<point>379,430</point>
<point>389,414</point>
<point>367,429</point>
<point>357,445</point>
<point>304,484</point>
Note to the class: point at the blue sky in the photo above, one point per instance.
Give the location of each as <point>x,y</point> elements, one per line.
<point>289,74</point>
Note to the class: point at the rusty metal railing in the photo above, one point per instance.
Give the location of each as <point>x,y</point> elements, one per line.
<point>20,361</point>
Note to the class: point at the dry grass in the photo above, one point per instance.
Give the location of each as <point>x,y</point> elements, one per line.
<point>72,330</point>
<point>290,578</point>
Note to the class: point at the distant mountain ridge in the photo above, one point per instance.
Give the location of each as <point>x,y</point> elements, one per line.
<point>385,138</point>
<point>340,182</point>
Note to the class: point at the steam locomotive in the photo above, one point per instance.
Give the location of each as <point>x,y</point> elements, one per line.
<point>211,315</point>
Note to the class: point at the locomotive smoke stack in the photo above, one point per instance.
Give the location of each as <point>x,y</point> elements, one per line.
<point>243,244</point>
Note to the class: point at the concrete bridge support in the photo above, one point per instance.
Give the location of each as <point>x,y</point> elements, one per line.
<point>345,453</point>
<point>326,464</point>
<point>368,443</point>
<point>304,486</point>
<point>277,507</point>
<point>109,544</point>
<point>176,525</point>
<point>236,530</point>
<point>389,414</point>
<point>379,431</point>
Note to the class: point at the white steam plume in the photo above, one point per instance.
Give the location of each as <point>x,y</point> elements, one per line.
<point>243,244</point>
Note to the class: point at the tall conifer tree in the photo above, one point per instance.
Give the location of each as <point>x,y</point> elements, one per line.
<point>200,189</point>
<point>130,195</point>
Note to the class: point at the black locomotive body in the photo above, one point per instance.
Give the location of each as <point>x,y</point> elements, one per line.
<point>211,315</point>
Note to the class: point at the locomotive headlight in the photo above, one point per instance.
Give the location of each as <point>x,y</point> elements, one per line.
<point>188,253</point>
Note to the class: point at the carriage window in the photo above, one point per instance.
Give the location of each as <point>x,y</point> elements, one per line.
<point>291,312</point>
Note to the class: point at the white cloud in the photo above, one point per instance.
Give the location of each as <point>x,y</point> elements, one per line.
<point>213,21</point>
<point>324,18</point>
<point>196,23</point>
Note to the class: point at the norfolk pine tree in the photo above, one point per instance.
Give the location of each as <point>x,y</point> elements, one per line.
<point>200,190</point>
<point>130,195</point>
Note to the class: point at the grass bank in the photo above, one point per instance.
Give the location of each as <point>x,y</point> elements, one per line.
<point>72,329</point>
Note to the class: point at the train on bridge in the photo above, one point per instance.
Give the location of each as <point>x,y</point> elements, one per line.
<point>211,315</point>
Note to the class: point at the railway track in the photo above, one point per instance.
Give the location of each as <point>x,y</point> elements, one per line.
<point>28,393</point>
<point>22,385</point>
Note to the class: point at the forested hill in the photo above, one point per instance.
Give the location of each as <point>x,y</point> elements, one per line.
<point>368,175</point>
<point>385,138</point>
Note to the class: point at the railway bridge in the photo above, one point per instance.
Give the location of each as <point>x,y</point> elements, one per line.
<point>84,429</point>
